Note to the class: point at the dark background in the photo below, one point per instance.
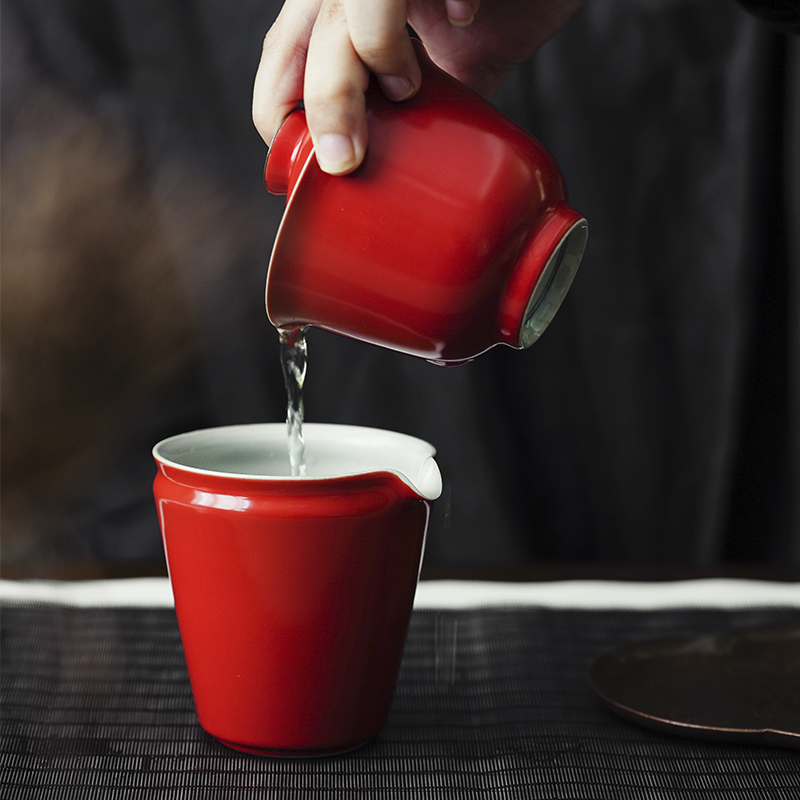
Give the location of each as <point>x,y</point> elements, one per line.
<point>654,425</point>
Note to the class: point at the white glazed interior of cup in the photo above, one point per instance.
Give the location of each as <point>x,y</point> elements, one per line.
<point>332,451</point>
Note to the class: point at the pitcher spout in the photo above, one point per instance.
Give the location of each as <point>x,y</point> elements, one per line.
<point>428,483</point>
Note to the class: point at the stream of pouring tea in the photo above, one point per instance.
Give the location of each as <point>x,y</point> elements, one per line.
<point>293,361</point>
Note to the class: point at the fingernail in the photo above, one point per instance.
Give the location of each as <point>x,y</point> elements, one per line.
<point>396,87</point>
<point>459,12</point>
<point>335,153</point>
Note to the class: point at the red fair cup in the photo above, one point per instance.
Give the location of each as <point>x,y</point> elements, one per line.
<point>452,237</point>
<point>294,594</point>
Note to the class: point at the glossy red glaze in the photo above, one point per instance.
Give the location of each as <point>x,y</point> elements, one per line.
<point>293,599</point>
<point>437,243</point>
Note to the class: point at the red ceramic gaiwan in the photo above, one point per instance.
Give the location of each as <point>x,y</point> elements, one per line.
<point>453,236</point>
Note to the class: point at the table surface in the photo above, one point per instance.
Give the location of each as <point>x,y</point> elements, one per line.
<point>492,699</point>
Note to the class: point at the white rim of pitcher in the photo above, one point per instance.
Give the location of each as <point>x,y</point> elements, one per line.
<point>427,447</point>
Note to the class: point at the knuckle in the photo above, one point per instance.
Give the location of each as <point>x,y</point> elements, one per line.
<point>331,95</point>
<point>331,12</point>
<point>378,49</point>
<point>280,47</point>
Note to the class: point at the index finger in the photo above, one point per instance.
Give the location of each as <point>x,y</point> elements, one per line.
<point>278,87</point>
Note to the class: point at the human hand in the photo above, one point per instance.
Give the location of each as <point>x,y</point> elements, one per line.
<point>323,51</point>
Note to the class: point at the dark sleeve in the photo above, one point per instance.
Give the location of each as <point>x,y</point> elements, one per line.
<point>783,13</point>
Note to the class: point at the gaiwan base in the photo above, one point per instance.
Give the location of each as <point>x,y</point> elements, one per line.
<point>310,753</point>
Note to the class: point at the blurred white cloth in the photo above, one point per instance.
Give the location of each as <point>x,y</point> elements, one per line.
<point>578,594</point>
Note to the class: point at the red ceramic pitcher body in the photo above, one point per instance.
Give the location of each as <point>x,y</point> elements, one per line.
<point>453,236</point>
<point>293,594</point>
